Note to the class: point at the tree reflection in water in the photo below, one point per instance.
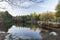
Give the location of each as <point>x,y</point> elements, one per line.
<point>5,26</point>
<point>45,33</point>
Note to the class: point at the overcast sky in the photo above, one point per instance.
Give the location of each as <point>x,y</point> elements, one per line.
<point>24,7</point>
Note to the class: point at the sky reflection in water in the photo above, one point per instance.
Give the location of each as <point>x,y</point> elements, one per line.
<point>25,32</point>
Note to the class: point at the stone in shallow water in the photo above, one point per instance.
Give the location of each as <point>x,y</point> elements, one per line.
<point>53,33</point>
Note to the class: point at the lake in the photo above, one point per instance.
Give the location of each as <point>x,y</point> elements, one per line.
<point>25,32</point>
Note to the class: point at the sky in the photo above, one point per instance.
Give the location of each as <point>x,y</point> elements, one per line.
<point>24,7</point>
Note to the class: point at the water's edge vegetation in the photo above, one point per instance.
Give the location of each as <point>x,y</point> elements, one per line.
<point>47,19</point>
<point>44,19</point>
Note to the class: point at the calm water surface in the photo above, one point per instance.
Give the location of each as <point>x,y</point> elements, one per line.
<point>24,32</point>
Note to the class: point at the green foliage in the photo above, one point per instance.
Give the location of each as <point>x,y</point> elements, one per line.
<point>37,18</point>
<point>58,6</point>
<point>27,18</point>
<point>57,14</point>
<point>58,10</point>
<point>47,17</point>
<point>7,15</point>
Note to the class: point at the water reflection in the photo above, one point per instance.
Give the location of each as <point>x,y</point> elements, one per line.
<point>4,27</point>
<point>27,31</point>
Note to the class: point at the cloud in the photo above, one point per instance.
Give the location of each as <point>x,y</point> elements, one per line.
<point>37,1</point>
<point>49,5</point>
<point>4,6</point>
<point>23,3</point>
<point>20,3</point>
<point>1,0</point>
<point>26,4</point>
<point>30,5</point>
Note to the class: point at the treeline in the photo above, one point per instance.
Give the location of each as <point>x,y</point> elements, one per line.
<point>44,16</point>
<point>5,17</point>
<point>27,18</point>
<point>33,17</point>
